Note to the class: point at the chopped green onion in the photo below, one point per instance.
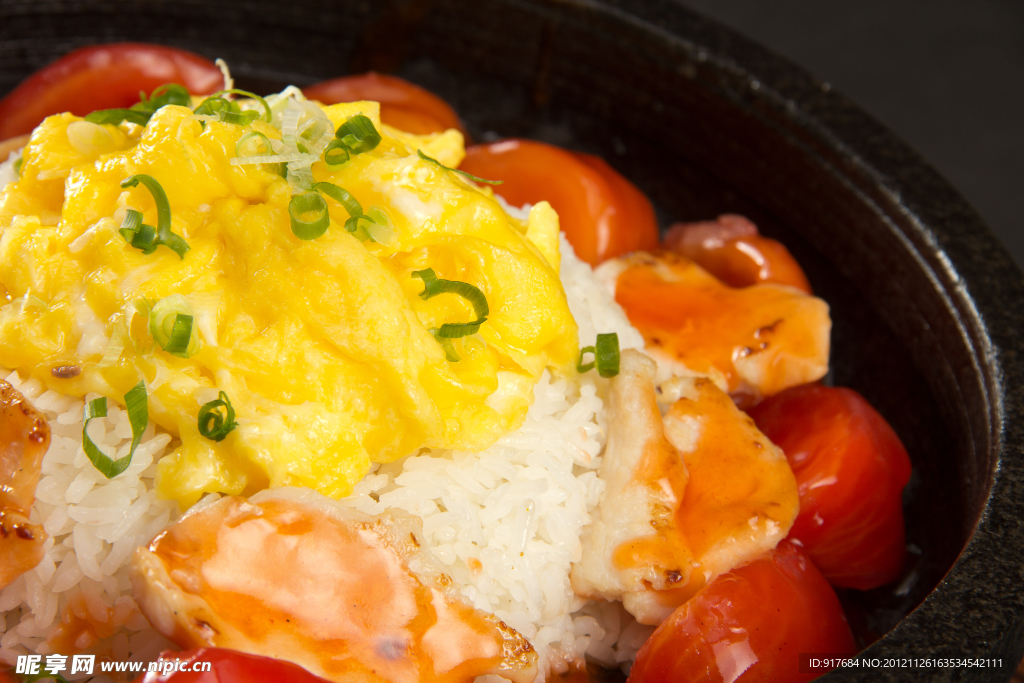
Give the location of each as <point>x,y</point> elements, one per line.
<point>243,118</point>
<point>336,154</point>
<point>245,93</point>
<point>380,228</point>
<point>357,226</point>
<point>300,207</point>
<point>162,95</point>
<point>449,168</point>
<point>18,164</point>
<point>142,111</point>
<point>212,106</point>
<point>447,345</point>
<point>170,323</point>
<point>432,286</point>
<point>606,355</point>
<point>137,404</point>
<point>253,144</point>
<point>141,238</point>
<point>212,424</point>
<point>342,196</point>
<point>358,134</point>
<point>144,306</point>
<point>116,116</point>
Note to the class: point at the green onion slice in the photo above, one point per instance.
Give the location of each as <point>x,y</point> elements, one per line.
<point>336,155</point>
<point>447,345</point>
<point>243,118</point>
<point>358,134</point>
<point>434,286</point>
<point>304,225</point>
<point>449,168</point>
<point>116,116</point>
<point>212,106</point>
<point>162,95</point>
<point>170,323</point>
<point>212,424</point>
<point>606,355</point>
<point>137,404</point>
<point>253,145</point>
<point>357,226</point>
<point>268,115</point>
<point>164,235</point>
<point>379,226</point>
<point>342,196</point>
<point>143,110</point>
<point>18,164</point>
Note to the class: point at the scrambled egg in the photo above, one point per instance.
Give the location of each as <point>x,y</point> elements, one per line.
<point>322,346</point>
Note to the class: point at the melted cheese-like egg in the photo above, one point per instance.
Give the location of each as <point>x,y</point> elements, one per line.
<point>324,346</point>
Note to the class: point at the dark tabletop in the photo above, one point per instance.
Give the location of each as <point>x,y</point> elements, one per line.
<point>946,75</point>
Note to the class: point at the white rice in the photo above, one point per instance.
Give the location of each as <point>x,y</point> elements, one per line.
<point>506,521</point>
<point>94,524</point>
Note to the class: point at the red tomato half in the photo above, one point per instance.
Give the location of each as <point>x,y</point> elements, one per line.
<point>602,214</point>
<point>749,625</point>
<point>403,105</point>
<point>228,666</point>
<point>850,470</point>
<point>102,77</point>
<point>731,249</point>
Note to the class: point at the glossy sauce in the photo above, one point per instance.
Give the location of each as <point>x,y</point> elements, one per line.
<point>740,498</point>
<point>24,439</point>
<point>289,581</point>
<point>763,338</point>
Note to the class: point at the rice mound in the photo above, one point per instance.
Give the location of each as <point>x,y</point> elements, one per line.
<point>506,522</point>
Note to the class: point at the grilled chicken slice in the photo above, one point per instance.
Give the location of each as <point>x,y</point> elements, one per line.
<point>689,496</point>
<point>24,438</point>
<point>294,575</point>
<point>761,339</point>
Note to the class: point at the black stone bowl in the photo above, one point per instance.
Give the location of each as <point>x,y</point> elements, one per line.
<point>927,306</point>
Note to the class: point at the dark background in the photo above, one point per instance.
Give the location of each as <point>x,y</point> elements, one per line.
<point>947,76</point>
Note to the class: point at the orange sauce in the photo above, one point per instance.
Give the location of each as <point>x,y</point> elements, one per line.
<point>685,312</point>
<point>298,583</point>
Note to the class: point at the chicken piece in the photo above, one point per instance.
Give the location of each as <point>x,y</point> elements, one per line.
<point>294,575</point>
<point>688,496</point>
<point>24,438</point>
<point>763,338</point>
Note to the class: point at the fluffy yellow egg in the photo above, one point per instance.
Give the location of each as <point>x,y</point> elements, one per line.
<point>324,347</point>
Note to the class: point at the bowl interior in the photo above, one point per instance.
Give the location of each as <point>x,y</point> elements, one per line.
<point>696,131</point>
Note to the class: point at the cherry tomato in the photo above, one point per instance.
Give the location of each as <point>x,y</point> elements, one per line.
<point>102,77</point>
<point>850,470</point>
<point>731,249</point>
<point>602,214</point>
<point>749,625</point>
<point>228,666</point>
<point>403,105</point>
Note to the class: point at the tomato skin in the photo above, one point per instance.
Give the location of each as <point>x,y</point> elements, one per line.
<point>102,77</point>
<point>602,214</point>
<point>403,105</point>
<point>731,249</point>
<point>762,615</point>
<point>230,666</point>
<point>850,470</point>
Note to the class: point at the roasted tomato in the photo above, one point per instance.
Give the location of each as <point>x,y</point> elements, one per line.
<point>403,105</point>
<point>850,470</point>
<point>227,666</point>
<point>602,213</point>
<point>731,249</point>
<point>102,77</point>
<point>749,625</point>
